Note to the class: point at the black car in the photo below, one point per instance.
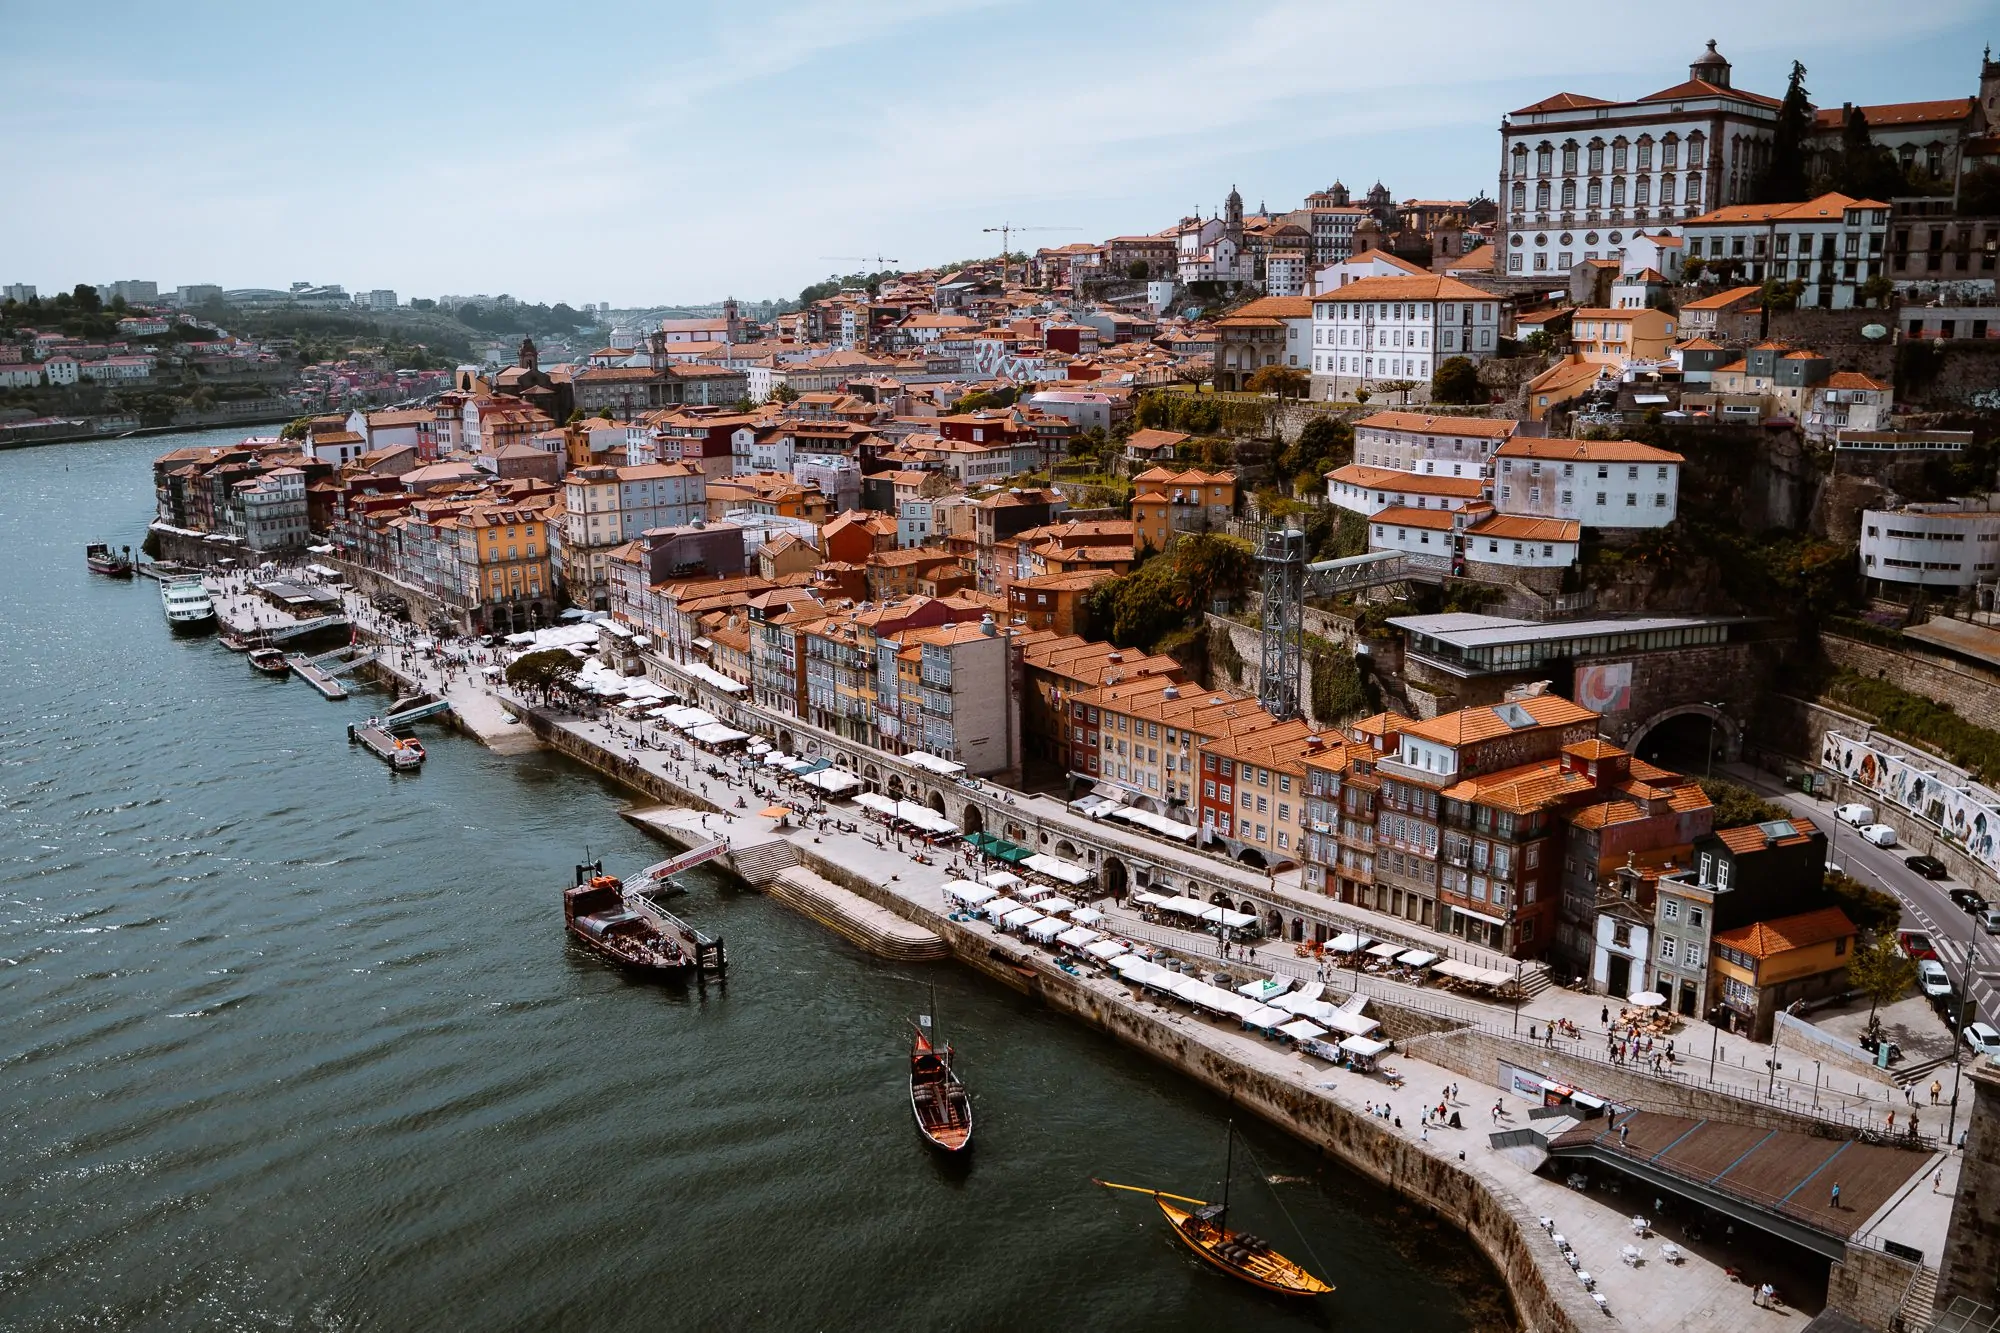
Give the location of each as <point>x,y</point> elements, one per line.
<point>1927,866</point>
<point>1969,900</point>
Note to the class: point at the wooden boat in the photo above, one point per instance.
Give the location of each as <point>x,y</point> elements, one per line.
<point>1203,1228</point>
<point>619,927</point>
<point>270,661</point>
<point>103,560</point>
<point>938,1097</point>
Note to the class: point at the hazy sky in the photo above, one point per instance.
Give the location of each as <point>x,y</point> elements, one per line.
<point>654,152</point>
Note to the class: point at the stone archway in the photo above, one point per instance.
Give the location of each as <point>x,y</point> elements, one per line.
<point>1251,857</point>
<point>1247,907</point>
<point>1115,877</point>
<point>871,775</point>
<point>1220,898</point>
<point>1066,849</point>
<point>974,819</point>
<point>1705,731</point>
<point>937,802</point>
<point>785,741</point>
<point>896,785</point>
<point>1298,929</point>
<point>1274,923</point>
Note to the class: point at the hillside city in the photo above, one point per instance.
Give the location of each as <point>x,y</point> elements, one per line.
<point>1519,573</point>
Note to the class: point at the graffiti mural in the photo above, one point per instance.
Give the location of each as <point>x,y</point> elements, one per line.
<point>1964,812</point>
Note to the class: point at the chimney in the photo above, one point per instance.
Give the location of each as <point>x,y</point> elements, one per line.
<point>987,625</point>
<point>1171,692</point>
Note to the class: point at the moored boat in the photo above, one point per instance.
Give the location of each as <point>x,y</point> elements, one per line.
<point>621,927</point>
<point>270,661</point>
<point>938,1096</point>
<point>103,560</point>
<point>189,608</point>
<point>1203,1228</point>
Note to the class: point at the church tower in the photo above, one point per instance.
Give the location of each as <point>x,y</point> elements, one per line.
<point>530,358</point>
<point>1232,216</point>
<point>1710,67</point>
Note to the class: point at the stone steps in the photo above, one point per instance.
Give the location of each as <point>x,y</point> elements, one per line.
<point>762,862</point>
<point>855,919</point>
<point>1920,1305</point>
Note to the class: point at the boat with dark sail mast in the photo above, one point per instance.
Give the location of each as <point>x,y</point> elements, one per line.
<point>620,922</point>
<point>938,1096</point>
<point>1203,1228</point>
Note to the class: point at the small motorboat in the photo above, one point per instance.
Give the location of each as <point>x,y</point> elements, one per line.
<point>270,661</point>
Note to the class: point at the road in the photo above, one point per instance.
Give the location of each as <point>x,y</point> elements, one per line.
<point>1965,950</point>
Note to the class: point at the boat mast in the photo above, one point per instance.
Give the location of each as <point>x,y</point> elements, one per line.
<point>1228,1162</point>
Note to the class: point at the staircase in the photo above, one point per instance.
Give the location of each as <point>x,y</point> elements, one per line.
<point>1534,980</point>
<point>1920,1302</point>
<point>855,919</point>
<point>762,862</point>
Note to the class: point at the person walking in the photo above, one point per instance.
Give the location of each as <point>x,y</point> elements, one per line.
<point>1834,1202</point>
<point>1604,1016</point>
<point>1937,1090</point>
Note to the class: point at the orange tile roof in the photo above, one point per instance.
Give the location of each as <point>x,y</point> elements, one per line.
<point>1899,113</point>
<point>1470,725</point>
<point>1562,102</point>
<point>1591,451</point>
<point>1853,379</point>
<point>1515,527</point>
<point>1484,427</point>
<point>1402,516</point>
<point>1434,287</point>
<point>1703,88</point>
<point>1414,483</point>
<point>1746,838</point>
<point>1721,299</point>
<point>1827,206</point>
<point>1272,307</point>
<point>1766,939</point>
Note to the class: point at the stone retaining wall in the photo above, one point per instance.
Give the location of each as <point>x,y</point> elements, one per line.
<point>1870,1285</point>
<point>1973,694</point>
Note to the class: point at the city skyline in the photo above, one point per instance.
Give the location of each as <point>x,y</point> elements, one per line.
<point>506,170</point>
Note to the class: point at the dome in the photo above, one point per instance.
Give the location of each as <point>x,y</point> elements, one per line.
<point>1710,67</point>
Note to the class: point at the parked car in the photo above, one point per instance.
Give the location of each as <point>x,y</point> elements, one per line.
<point>1969,900</point>
<point>1879,834</point>
<point>1857,814</point>
<point>1981,1038</point>
<point>1927,866</point>
<point>1989,921</point>
<point>1915,944</point>
<point>1932,979</point>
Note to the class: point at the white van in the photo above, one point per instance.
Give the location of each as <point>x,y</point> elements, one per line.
<point>1980,1038</point>
<point>1856,815</point>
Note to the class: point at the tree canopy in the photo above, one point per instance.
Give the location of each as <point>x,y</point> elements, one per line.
<point>1457,381</point>
<point>1285,381</point>
<point>1881,971</point>
<point>1785,179</point>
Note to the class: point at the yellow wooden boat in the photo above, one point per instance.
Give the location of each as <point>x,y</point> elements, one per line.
<point>1200,1225</point>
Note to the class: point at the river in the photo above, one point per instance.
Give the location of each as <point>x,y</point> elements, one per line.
<point>293,1042</point>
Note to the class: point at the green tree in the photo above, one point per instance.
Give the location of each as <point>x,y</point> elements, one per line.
<point>1736,805</point>
<point>542,673</point>
<point>1284,381</point>
<point>1692,270</point>
<point>1399,386</point>
<point>1877,290</point>
<point>1457,381</point>
<point>1872,910</point>
<point>296,429</point>
<point>1782,295</point>
<point>1979,192</point>
<point>784,393</point>
<point>85,298</point>
<point>1362,396</point>
<point>1137,270</point>
<point>1881,971</point>
<point>1785,178</point>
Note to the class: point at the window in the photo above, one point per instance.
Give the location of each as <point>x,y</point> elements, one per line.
<point>1569,159</point>
<point>1671,909</point>
<point>1668,951</point>
<point>1695,915</point>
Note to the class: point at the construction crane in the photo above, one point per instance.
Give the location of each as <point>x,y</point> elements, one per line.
<point>859,259</point>
<point>1006,230</point>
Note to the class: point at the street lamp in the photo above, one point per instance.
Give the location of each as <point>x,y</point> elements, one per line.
<point>1712,723</point>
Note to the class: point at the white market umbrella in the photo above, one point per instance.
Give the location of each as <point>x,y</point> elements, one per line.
<point>1648,999</point>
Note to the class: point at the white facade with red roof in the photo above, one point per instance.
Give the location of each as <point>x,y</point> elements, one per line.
<point>1379,329</point>
<point>1579,175</point>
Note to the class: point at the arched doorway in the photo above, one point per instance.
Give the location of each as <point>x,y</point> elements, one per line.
<point>1298,929</point>
<point>1251,857</point>
<point>1220,898</point>
<point>1274,924</point>
<point>871,775</point>
<point>785,741</point>
<point>974,819</point>
<point>937,802</point>
<point>896,785</point>
<point>1066,849</point>
<point>1115,878</point>
<point>1247,907</point>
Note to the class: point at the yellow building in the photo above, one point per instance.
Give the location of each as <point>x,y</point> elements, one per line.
<point>1761,968</point>
<point>504,561</point>
<point>1604,336</point>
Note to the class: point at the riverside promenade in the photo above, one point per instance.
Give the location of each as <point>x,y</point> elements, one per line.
<point>1496,1198</point>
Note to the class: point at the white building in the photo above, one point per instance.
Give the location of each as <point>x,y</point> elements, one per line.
<point>1285,273</point>
<point>23,292</point>
<point>1931,546</point>
<point>274,510</point>
<point>1379,329</point>
<point>1364,490</point>
<point>1580,175</point>
<point>1475,535</point>
<point>1597,483</point>
<point>1848,400</point>
<point>20,375</point>
<point>1444,446</point>
<point>118,369</point>
<point>1373,264</point>
<point>62,369</point>
<point>1832,244</point>
<point>381,298</point>
<point>916,521</point>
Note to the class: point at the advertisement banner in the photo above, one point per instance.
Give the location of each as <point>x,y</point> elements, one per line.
<point>1605,688</point>
<point>1967,815</point>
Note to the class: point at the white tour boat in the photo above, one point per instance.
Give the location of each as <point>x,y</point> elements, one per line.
<point>189,607</point>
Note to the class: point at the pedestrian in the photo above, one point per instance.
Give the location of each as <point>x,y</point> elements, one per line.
<point>1834,1203</point>
<point>1496,1113</point>
<point>1623,1132</point>
<point>1937,1181</point>
<point>1604,1016</point>
<point>1892,1122</point>
<point>1937,1090</point>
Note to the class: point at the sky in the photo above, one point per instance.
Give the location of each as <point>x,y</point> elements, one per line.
<point>651,153</point>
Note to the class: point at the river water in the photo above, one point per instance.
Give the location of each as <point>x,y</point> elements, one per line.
<point>291,1042</point>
